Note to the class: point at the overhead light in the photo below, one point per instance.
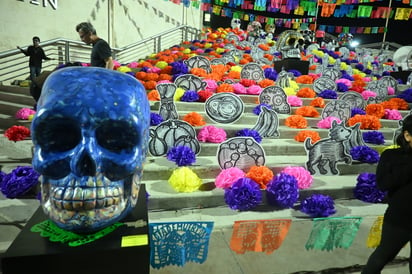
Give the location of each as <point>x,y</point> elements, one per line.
<point>354,43</point>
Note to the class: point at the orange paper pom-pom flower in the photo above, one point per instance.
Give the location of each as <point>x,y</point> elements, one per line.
<point>375,110</point>
<point>152,76</point>
<point>303,134</point>
<point>266,83</point>
<point>195,119</point>
<point>198,72</point>
<point>264,47</point>
<point>141,75</point>
<point>153,95</point>
<point>304,79</point>
<point>260,174</point>
<point>395,103</point>
<point>149,85</point>
<point>306,93</point>
<point>307,111</point>
<point>318,102</point>
<point>234,74</point>
<point>164,76</point>
<point>367,121</point>
<point>225,87</point>
<point>296,121</point>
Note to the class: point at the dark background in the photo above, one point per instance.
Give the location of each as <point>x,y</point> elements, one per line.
<point>399,31</point>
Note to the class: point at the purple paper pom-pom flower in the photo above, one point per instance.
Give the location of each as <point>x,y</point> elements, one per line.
<point>366,189</point>
<point>155,119</point>
<point>190,96</point>
<point>282,190</point>
<point>271,74</point>
<point>328,94</point>
<point>341,87</point>
<point>244,194</point>
<point>258,109</point>
<point>19,181</point>
<point>374,137</point>
<point>247,132</point>
<point>364,154</point>
<point>2,174</point>
<point>356,111</point>
<point>181,155</point>
<point>318,205</point>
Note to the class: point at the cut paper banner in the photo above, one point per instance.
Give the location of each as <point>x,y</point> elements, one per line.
<point>178,243</point>
<point>330,233</point>
<point>259,235</point>
<point>48,229</point>
<point>374,237</point>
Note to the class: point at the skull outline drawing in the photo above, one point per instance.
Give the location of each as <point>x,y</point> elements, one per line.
<point>90,136</point>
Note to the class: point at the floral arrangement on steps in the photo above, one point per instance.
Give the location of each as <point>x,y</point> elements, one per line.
<point>242,189</point>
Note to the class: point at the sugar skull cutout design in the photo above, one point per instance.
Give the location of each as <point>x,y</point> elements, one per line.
<point>90,137</point>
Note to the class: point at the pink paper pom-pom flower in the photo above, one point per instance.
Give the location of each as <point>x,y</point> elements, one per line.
<point>164,81</point>
<point>211,134</point>
<point>345,81</point>
<point>302,175</point>
<point>228,176</point>
<point>368,93</point>
<point>154,70</point>
<point>211,85</point>
<point>133,65</point>
<point>294,101</point>
<point>24,113</point>
<point>239,88</point>
<point>254,90</point>
<point>392,114</point>
<point>391,91</point>
<point>327,122</point>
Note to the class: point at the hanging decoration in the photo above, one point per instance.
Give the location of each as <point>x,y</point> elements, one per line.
<point>330,233</point>
<point>179,243</point>
<point>259,235</point>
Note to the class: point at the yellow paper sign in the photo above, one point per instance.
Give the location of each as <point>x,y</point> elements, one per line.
<point>135,240</point>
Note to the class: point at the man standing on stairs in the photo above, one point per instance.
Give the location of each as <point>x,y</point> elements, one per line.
<point>37,56</point>
<point>101,53</point>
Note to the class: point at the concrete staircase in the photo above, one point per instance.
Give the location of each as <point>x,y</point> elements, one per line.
<point>12,99</point>
<point>281,152</point>
<point>208,204</point>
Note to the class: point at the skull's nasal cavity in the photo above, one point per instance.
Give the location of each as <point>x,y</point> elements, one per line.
<point>86,166</point>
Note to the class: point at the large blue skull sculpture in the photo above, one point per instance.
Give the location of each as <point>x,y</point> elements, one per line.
<point>90,136</point>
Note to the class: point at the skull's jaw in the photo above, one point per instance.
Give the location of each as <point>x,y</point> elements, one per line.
<point>88,204</point>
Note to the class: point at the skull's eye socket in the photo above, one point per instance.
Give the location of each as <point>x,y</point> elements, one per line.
<point>117,136</point>
<point>57,135</point>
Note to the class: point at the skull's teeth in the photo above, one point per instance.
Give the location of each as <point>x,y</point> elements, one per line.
<point>78,198</point>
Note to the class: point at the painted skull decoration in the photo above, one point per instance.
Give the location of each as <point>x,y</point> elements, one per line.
<point>90,136</point>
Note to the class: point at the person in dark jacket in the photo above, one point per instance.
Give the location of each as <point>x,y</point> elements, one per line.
<point>37,56</point>
<point>394,175</point>
<point>101,53</point>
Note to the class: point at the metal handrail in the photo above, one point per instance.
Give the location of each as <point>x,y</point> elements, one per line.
<point>14,64</point>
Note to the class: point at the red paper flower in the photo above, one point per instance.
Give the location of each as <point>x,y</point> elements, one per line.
<point>17,133</point>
